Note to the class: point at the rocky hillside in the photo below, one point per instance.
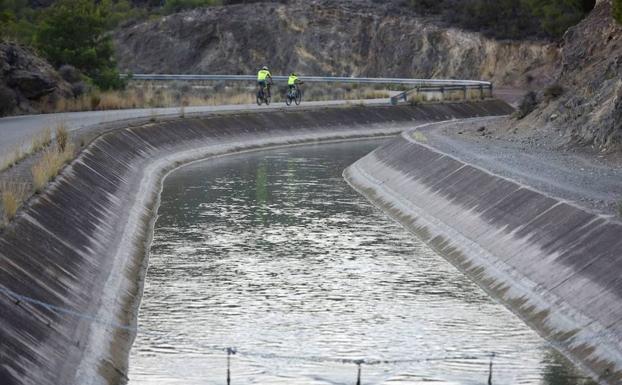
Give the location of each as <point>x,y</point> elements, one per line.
<point>27,81</point>
<point>589,110</point>
<point>321,37</point>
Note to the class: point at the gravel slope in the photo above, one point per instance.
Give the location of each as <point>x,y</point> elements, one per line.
<point>593,181</point>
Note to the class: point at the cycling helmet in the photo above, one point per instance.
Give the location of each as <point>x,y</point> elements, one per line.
<point>264,68</point>
<point>293,74</point>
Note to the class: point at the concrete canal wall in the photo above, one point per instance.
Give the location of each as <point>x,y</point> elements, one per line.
<point>80,247</point>
<point>555,265</point>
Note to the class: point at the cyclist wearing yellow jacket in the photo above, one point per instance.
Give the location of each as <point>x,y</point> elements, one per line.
<point>292,81</point>
<point>264,78</point>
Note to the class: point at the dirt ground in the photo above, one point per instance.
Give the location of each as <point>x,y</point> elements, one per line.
<point>589,179</point>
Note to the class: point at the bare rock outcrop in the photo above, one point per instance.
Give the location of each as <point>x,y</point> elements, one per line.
<point>589,112</point>
<point>27,81</point>
<point>321,37</point>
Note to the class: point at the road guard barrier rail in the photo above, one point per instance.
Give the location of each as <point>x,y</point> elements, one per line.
<point>419,86</point>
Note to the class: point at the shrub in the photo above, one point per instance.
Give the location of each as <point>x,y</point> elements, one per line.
<point>79,88</point>
<point>95,100</point>
<point>69,73</point>
<point>62,137</point>
<point>553,91</point>
<point>171,6</point>
<point>528,104</point>
<point>513,19</point>
<point>109,79</point>
<point>617,11</point>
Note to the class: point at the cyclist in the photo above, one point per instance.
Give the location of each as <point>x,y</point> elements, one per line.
<point>264,79</point>
<point>292,83</point>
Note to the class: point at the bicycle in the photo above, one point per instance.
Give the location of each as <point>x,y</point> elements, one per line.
<point>294,94</point>
<point>263,95</point>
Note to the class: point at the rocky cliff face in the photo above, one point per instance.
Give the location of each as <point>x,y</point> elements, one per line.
<point>589,112</point>
<point>27,81</point>
<point>320,37</point>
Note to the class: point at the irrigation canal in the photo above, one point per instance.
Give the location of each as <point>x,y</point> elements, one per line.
<point>272,253</point>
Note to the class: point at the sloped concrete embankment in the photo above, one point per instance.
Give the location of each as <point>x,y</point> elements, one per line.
<point>555,265</point>
<point>81,245</point>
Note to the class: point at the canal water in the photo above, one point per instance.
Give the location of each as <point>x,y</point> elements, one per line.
<point>272,253</point>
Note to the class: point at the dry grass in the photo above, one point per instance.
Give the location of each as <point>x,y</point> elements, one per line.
<point>474,94</point>
<point>367,94</point>
<point>12,158</point>
<point>415,99</point>
<point>62,136</point>
<point>217,100</point>
<point>118,100</point>
<point>49,165</point>
<point>38,142</point>
<point>41,140</point>
<point>158,95</point>
<point>144,94</point>
<point>13,195</point>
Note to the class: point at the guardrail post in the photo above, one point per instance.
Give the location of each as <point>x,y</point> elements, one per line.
<point>481,91</point>
<point>442,94</point>
<point>465,93</point>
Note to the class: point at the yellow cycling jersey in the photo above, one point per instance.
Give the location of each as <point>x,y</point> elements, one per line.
<point>292,80</point>
<point>263,74</point>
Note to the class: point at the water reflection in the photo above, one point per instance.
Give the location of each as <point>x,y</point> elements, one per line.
<point>273,253</point>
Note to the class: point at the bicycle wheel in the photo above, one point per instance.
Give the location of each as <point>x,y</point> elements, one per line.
<point>298,97</point>
<point>267,100</point>
<point>259,98</point>
<point>288,100</point>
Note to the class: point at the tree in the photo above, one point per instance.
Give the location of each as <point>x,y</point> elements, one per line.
<point>74,32</point>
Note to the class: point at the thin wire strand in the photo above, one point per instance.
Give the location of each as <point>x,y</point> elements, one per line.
<point>263,355</point>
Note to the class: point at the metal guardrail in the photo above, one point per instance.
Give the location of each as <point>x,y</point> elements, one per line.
<point>442,89</point>
<point>319,79</point>
<point>419,85</point>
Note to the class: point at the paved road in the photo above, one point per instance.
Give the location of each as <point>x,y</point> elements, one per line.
<point>19,130</point>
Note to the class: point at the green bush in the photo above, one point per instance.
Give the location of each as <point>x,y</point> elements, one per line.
<point>171,6</point>
<point>553,91</point>
<point>74,32</point>
<point>514,19</point>
<point>527,105</point>
<point>617,10</point>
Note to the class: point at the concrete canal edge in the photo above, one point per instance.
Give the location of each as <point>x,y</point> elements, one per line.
<point>552,263</point>
<point>72,263</point>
